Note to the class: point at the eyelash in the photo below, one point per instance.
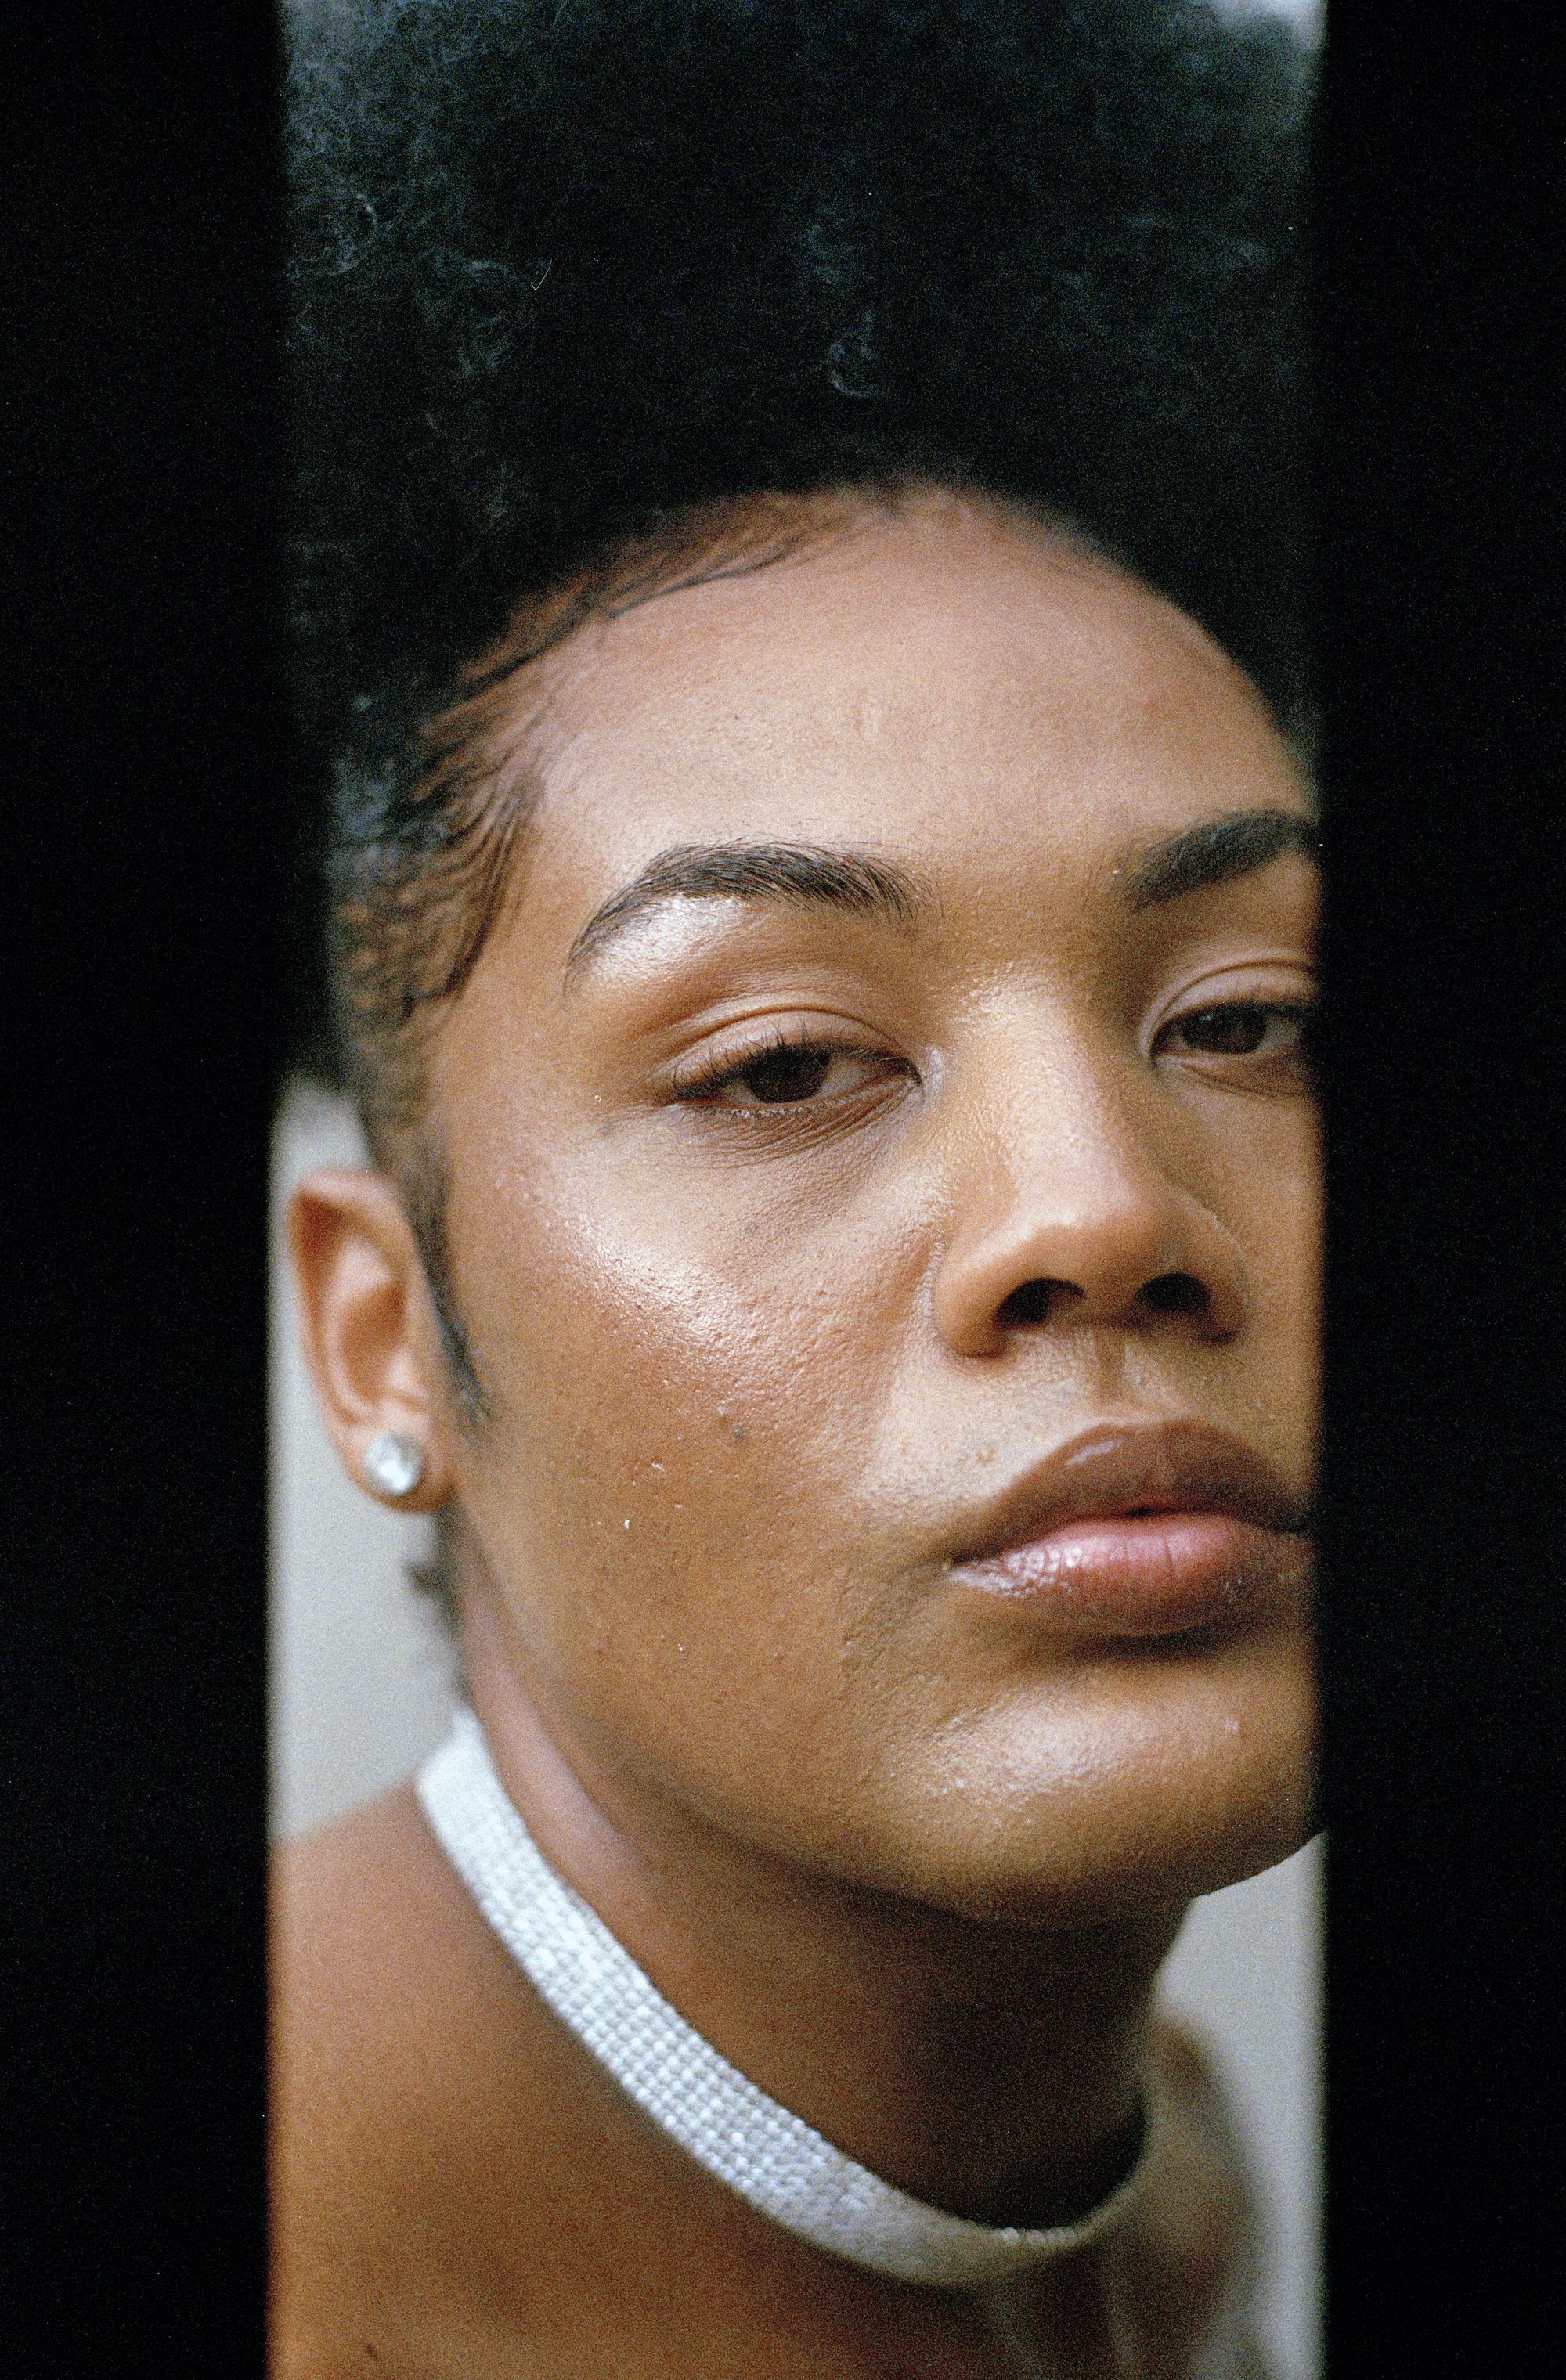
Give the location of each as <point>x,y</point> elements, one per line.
<point>716,1073</point>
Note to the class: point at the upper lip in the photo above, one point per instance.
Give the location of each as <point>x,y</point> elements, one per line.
<point>1115,1468</point>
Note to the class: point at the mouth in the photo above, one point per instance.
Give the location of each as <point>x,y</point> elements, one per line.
<point>1139,1529</point>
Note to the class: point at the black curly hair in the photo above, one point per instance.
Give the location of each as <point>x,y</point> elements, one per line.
<point>589,294</point>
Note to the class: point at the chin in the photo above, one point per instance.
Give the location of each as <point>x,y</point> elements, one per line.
<point>1140,1784</point>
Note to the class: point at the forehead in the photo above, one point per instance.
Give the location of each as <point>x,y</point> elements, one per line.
<point>946,685</point>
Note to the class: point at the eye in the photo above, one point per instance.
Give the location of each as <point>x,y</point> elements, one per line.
<point>787,1073</point>
<point>1238,1028</point>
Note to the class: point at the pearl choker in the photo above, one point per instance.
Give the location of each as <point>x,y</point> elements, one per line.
<point>768,2157</point>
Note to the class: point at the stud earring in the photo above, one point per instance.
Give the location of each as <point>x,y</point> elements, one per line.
<point>393,1465</point>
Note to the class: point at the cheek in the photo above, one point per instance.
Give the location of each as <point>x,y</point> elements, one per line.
<point>669,1486</point>
<point>1286,1265</point>
<point>1264,1186</point>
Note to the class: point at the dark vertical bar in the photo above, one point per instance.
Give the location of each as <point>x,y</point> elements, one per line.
<point>144,812</point>
<point>1441,243</point>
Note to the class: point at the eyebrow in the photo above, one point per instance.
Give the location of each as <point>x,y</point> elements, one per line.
<point>789,875</point>
<point>810,876</point>
<point>1216,852</point>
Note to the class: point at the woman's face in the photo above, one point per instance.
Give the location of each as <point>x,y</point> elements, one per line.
<point>895,1275</point>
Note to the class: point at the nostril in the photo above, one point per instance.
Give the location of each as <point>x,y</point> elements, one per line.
<point>1174,1293</point>
<point>1033,1302</point>
<point>1029,1303</point>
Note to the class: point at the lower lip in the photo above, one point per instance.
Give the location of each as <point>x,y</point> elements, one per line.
<point>1154,1575</point>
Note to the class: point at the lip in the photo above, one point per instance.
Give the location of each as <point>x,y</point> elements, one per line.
<point>1139,1529</point>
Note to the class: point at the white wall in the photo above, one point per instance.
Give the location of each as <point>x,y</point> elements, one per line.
<point>361,1689</point>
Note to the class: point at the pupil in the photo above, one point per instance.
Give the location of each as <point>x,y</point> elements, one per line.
<point>1232,1031</point>
<point>788,1074</point>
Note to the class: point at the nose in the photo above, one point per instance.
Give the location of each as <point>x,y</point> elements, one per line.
<point>1081,1227</point>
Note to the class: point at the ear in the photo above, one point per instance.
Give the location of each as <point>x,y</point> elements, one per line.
<point>370,1337</point>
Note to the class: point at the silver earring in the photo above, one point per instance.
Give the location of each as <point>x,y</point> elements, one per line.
<point>393,1465</point>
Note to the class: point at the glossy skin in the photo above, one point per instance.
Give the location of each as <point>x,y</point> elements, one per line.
<point>766,1352</point>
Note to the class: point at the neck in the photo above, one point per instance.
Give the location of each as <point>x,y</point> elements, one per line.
<point>994,2069</point>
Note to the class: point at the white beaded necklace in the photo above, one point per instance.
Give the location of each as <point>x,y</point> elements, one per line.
<point>768,2157</point>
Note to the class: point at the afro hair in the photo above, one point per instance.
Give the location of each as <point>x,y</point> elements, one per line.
<point>563,267</point>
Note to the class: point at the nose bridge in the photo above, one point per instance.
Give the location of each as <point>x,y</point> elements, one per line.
<point>1063,1209</point>
<point>1073,1153</point>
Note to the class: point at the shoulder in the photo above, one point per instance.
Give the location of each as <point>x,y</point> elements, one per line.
<point>362,1925</point>
<point>458,2192</point>
<point>341,1995</point>
<point>386,1992</point>
<point>1191,2265</point>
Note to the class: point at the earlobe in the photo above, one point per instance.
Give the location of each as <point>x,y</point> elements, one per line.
<point>370,1337</point>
